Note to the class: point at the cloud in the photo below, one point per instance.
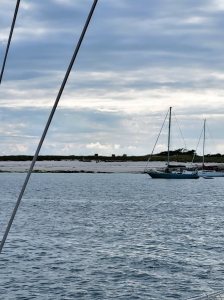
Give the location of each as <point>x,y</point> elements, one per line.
<point>97,145</point>
<point>137,60</point>
<point>86,131</point>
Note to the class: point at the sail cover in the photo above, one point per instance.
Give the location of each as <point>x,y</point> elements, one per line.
<point>212,167</point>
<point>176,166</point>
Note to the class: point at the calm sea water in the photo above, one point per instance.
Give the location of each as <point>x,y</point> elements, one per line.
<point>111,236</point>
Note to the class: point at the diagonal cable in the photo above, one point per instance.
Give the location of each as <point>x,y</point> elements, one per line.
<point>47,125</point>
<point>214,144</point>
<point>180,131</point>
<point>9,40</point>
<point>156,142</point>
<point>197,146</point>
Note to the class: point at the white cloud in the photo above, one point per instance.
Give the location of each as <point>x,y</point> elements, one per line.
<point>68,148</point>
<point>136,61</point>
<point>195,20</point>
<point>130,147</point>
<point>218,4</point>
<point>17,148</point>
<point>98,146</point>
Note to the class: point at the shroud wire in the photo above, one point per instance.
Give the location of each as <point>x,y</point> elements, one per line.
<point>48,124</point>
<point>9,39</point>
<point>156,142</point>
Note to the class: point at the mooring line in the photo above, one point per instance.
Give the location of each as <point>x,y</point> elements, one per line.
<point>10,37</point>
<point>48,124</point>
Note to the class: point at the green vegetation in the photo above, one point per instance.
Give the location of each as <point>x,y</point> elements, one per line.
<point>179,155</point>
<point>184,155</point>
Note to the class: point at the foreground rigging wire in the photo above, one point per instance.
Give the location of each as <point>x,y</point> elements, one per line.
<point>48,124</point>
<point>9,40</point>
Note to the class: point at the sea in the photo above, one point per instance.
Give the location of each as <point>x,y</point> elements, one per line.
<point>111,236</point>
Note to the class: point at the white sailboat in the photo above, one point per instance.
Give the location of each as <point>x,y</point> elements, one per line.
<point>208,171</point>
<point>168,173</point>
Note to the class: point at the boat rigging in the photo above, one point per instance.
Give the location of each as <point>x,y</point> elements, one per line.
<point>172,172</point>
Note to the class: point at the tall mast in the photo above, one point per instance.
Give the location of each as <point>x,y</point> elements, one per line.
<point>203,161</point>
<point>168,155</point>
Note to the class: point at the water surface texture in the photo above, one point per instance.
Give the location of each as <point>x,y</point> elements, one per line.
<point>111,236</point>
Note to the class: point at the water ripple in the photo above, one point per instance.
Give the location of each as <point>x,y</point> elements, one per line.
<point>111,236</point>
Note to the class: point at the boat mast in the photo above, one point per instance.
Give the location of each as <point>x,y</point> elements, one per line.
<point>168,155</point>
<point>203,161</point>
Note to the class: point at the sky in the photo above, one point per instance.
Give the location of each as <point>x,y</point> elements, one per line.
<point>138,58</point>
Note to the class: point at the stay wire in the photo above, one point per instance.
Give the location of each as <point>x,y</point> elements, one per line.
<point>9,39</point>
<point>180,132</point>
<point>48,124</point>
<point>197,146</point>
<point>214,144</point>
<point>156,142</point>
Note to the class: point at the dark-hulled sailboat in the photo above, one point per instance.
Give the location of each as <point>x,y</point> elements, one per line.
<point>169,173</point>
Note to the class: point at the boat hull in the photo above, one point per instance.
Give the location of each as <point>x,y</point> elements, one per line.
<point>210,174</point>
<point>172,175</point>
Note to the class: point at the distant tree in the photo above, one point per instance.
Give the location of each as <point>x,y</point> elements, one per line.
<point>215,155</point>
<point>181,151</point>
<point>189,152</point>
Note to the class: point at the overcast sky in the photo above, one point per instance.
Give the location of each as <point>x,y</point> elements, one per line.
<point>137,59</point>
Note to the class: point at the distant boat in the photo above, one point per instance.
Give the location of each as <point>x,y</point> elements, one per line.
<point>209,170</point>
<point>208,177</point>
<point>169,173</point>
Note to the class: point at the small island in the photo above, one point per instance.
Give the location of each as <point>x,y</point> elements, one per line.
<point>104,164</point>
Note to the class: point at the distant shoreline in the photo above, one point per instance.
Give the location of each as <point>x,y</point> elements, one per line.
<point>77,166</point>
<point>182,158</point>
<point>74,166</point>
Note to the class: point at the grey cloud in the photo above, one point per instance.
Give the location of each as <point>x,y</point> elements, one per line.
<point>78,128</point>
<point>180,40</point>
<point>109,46</point>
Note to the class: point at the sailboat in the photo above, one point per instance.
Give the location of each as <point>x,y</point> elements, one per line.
<point>208,171</point>
<point>168,173</point>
